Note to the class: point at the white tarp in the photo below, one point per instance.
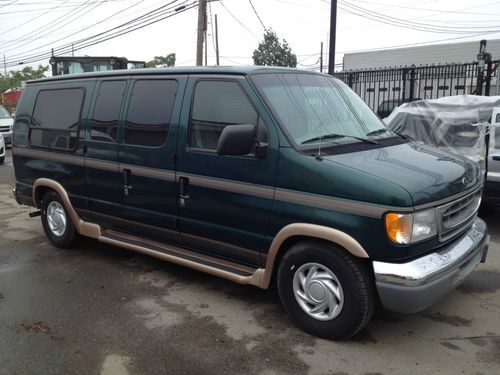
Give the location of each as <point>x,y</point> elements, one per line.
<point>458,124</point>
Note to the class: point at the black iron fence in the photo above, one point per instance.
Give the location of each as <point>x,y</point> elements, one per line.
<point>382,88</point>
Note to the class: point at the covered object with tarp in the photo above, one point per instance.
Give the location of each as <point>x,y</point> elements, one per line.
<point>459,124</point>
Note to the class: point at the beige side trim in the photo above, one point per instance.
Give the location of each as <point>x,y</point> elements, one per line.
<point>51,156</point>
<point>308,230</point>
<point>83,227</point>
<point>160,174</point>
<point>230,186</point>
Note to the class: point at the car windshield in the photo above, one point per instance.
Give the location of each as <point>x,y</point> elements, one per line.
<point>317,109</point>
<point>4,113</point>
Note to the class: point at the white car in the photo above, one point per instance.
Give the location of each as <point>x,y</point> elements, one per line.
<point>6,124</point>
<point>2,149</point>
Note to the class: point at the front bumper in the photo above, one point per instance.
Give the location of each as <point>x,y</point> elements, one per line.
<point>7,137</point>
<point>413,286</point>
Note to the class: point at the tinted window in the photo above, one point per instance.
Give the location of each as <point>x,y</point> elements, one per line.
<point>149,112</point>
<point>216,105</point>
<point>107,111</point>
<point>56,118</point>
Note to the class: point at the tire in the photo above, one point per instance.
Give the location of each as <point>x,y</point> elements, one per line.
<point>353,303</point>
<point>2,159</point>
<point>57,223</point>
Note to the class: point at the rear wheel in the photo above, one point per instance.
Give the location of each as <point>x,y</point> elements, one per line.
<point>325,290</point>
<point>56,222</point>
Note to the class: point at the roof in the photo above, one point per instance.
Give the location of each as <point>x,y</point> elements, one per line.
<point>230,70</point>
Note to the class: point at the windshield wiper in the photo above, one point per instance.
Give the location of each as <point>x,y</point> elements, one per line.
<point>378,131</point>
<point>335,135</point>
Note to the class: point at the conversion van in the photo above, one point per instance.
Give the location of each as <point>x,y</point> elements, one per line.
<point>256,175</point>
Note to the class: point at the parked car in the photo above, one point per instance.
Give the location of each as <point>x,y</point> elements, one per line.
<point>387,106</point>
<point>2,149</point>
<point>256,175</point>
<point>466,125</point>
<point>6,124</point>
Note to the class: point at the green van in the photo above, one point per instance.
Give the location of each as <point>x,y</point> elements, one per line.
<point>256,175</point>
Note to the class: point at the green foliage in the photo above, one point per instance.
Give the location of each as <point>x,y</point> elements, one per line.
<point>15,78</point>
<point>162,61</point>
<point>272,52</point>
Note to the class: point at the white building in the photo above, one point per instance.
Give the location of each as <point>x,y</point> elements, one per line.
<point>422,55</point>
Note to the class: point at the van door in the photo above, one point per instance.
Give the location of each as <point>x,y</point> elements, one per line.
<point>225,201</point>
<point>147,157</point>
<point>101,151</point>
<point>494,149</point>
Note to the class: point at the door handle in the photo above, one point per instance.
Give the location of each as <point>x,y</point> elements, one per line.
<point>184,187</point>
<point>126,181</point>
<point>496,158</point>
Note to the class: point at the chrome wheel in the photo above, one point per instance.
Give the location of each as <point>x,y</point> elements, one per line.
<point>56,218</point>
<point>318,291</point>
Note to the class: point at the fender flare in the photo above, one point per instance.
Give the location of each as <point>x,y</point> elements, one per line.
<point>84,228</point>
<point>313,231</point>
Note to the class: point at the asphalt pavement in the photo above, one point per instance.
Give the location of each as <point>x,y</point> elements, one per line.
<point>103,310</point>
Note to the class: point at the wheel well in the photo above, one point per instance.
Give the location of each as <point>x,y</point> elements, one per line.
<point>291,241</point>
<point>40,193</point>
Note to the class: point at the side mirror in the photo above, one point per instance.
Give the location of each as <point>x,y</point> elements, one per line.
<point>236,140</point>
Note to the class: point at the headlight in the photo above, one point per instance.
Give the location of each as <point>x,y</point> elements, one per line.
<point>409,228</point>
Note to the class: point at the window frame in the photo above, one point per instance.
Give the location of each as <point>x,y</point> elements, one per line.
<point>125,114</point>
<point>120,112</point>
<point>84,92</point>
<point>237,81</point>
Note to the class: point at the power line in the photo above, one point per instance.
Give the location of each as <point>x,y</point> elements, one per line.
<point>257,14</point>
<point>80,31</point>
<point>12,2</point>
<point>237,20</point>
<point>100,38</point>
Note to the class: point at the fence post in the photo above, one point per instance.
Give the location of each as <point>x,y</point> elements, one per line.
<point>489,72</point>
<point>349,80</point>
<point>403,78</point>
<point>412,83</point>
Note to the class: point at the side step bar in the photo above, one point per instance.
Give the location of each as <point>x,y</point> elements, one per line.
<point>218,267</point>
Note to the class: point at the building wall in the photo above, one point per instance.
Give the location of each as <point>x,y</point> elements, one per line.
<point>423,55</point>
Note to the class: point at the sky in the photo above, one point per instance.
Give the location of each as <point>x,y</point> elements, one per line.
<point>32,27</point>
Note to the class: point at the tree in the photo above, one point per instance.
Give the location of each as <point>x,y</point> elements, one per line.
<point>15,78</point>
<point>162,61</point>
<point>273,53</point>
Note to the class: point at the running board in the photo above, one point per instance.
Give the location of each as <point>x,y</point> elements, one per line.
<point>218,267</point>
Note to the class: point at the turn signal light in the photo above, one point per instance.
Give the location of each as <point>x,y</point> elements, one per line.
<point>399,227</point>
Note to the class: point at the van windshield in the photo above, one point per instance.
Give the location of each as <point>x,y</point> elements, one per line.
<point>317,109</point>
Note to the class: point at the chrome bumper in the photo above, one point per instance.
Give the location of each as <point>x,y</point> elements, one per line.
<point>415,285</point>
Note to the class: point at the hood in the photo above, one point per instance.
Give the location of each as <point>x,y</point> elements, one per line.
<point>426,173</point>
<point>6,121</point>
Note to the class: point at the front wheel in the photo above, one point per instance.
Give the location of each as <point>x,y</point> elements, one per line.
<point>325,290</point>
<point>56,222</point>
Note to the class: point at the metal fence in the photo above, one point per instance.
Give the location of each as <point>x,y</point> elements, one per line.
<point>398,85</point>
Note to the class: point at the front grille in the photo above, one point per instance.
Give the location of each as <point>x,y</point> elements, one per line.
<point>458,215</point>
<point>1,150</point>
<point>4,129</point>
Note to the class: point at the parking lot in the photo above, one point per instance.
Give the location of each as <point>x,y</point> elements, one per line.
<point>103,310</point>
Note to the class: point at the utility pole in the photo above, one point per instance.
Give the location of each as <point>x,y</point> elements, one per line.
<point>321,59</point>
<point>202,15</point>
<point>206,47</point>
<point>216,41</point>
<point>333,29</point>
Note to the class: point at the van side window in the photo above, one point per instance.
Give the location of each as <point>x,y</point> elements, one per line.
<point>149,112</point>
<point>217,104</point>
<point>56,118</point>
<point>107,111</point>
